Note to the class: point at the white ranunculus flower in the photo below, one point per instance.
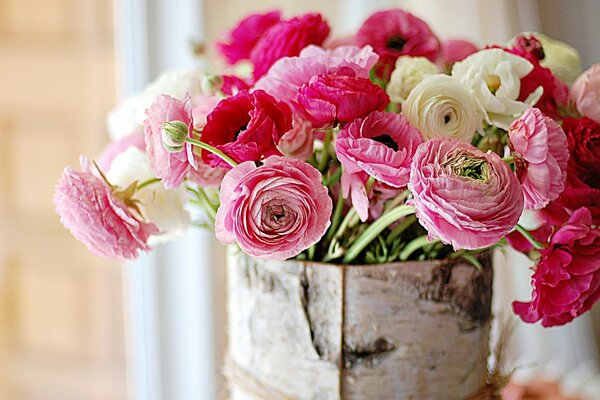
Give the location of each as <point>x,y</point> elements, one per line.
<point>409,71</point>
<point>128,117</point>
<point>493,76</point>
<point>440,106</point>
<point>165,208</point>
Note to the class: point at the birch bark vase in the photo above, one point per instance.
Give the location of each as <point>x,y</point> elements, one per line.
<point>411,330</point>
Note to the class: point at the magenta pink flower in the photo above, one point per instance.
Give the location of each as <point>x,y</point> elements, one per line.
<point>566,281</point>
<point>586,93</point>
<point>456,50</point>
<point>466,197</point>
<point>274,211</point>
<point>288,74</point>
<point>327,99</point>
<point>246,127</point>
<point>287,39</point>
<point>172,168</point>
<point>539,148</point>
<point>242,39</point>
<point>98,217</point>
<point>382,144</point>
<point>395,33</point>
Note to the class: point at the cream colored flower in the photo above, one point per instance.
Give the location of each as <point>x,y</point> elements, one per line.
<point>164,208</point>
<point>560,58</point>
<point>440,106</point>
<point>408,73</point>
<point>493,76</point>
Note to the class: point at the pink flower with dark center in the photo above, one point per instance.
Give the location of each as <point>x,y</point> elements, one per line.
<point>172,168</point>
<point>327,99</point>
<point>286,39</point>
<point>566,281</point>
<point>274,211</point>
<point>382,145</point>
<point>242,39</point>
<point>246,127</point>
<point>466,197</point>
<point>100,217</point>
<point>539,147</point>
<point>395,33</point>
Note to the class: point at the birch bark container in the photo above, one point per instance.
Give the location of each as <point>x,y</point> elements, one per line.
<point>410,330</point>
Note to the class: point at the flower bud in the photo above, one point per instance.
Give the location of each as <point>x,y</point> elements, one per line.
<point>211,84</point>
<point>174,134</point>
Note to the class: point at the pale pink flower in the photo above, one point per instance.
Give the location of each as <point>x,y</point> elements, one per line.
<point>172,168</point>
<point>466,197</point>
<point>287,75</point>
<point>97,217</point>
<point>586,93</point>
<point>382,144</point>
<point>354,187</point>
<point>113,149</point>
<point>539,147</point>
<point>298,142</point>
<point>274,211</point>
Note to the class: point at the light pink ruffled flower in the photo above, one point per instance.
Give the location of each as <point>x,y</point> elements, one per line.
<point>354,187</point>
<point>112,150</point>
<point>566,281</point>
<point>89,208</point>
<point>539,147</point>
<point>172,168</point>
<point>327,99</point>
<point>274,211</point>
<point>382,144</point>
<point>467,198</point>
<point>586,93</point>
<point>298,142</point>
<point>288,74</point>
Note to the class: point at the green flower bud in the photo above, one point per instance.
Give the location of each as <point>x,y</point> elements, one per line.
<point>174,134</point>
<point>211,84</point>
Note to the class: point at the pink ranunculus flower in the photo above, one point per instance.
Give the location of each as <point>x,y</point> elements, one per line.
<point>98,217</point>
<point>566,281</point>
<point>456,50</point>
<point>115,148</point>
<point>586,93</point>
<point>395,33</point>
<point>288,74</point>
<point>539,147</point>
<point>298,142</point>
<point>172,168</point>
<point>327,99</point>
<point>286,39</point>
<point>366,204</point>
<point>382,145</point>
<point>466,197</point>
<point>242,39</point>
<point>274,211</point>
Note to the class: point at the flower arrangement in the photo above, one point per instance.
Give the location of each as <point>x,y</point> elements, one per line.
<point>386,146</point>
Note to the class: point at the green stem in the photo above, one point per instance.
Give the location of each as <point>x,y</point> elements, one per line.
<point>147,183</point>
<point>402,226</point>
<point>396,201</point>
<point>213,150</point>
<point>311,252</point>
<point>337,216</point>
<point>325,156</point>
<point>369,184</point>
<point>375,229</point>
<point>508,160</point>
<point>414,245</point>
<point>529,237</point>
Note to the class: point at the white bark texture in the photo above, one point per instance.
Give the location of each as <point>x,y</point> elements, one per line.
<point>302,330</point>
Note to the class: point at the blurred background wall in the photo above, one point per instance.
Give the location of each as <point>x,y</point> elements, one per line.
<point>68,319</point>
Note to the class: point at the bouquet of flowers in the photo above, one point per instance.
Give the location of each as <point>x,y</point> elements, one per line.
<point>388,145</point>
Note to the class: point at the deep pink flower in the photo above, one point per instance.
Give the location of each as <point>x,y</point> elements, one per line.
<point>395,33</point>
<point>246,127</point>
<point>326,99</point>
<point>467,198</point>
<point>586,93</point>
<point>233,84</point>
<point>98,217</point>
<point>583,137</point>
<point>286,39</point>
<point>539,147</point>
<point>242,39</point>
<point>382,144</point>
<point>274,211</point>
<point>566,281</point>
<point>172,168</point>
<point>572,198</point>
<point>288,74</point>
<point>456,50</point>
